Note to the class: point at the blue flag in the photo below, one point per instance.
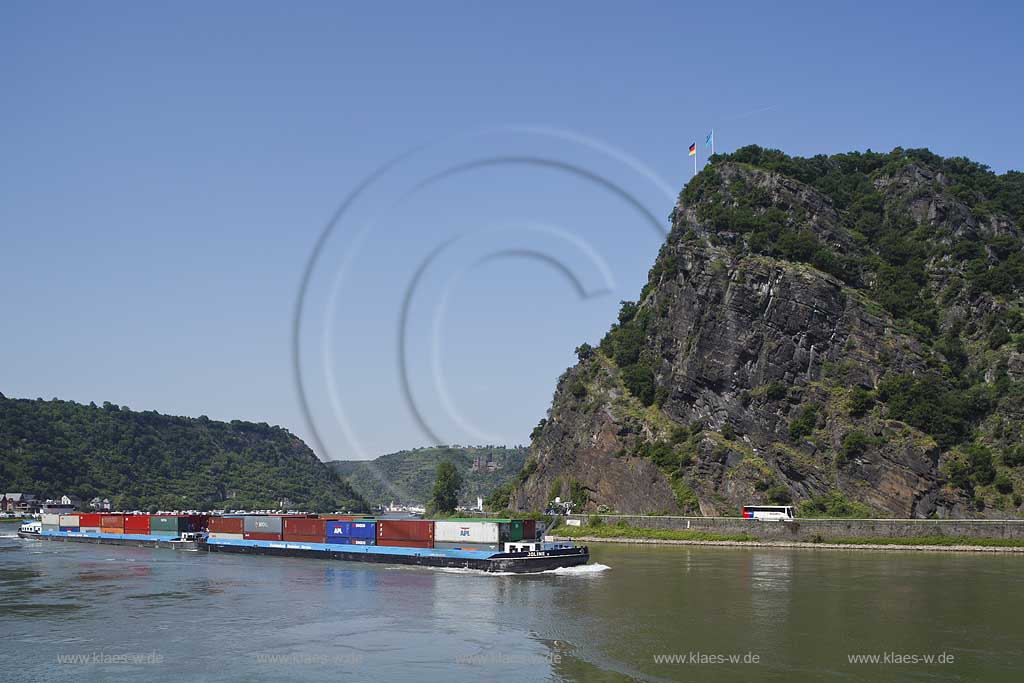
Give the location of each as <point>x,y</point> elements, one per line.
<point>710,139</point>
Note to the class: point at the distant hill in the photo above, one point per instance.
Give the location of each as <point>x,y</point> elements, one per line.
<point>139,459</point>
<point>408,476</point>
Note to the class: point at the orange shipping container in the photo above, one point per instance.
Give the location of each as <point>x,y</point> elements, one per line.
<point>112,521</point>
<point>111,530</point>
<point>225,525</point>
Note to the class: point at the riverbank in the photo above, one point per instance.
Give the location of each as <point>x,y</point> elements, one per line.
<point>603,533</point>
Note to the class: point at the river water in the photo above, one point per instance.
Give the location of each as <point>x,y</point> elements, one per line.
<point>71,612</point>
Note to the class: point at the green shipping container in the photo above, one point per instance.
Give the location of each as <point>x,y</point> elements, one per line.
<point>167,523</point>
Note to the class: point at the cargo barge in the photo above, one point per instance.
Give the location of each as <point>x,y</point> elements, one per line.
<point>491,545</point>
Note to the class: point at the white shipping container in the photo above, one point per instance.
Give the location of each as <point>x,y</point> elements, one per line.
<point>69,520</point>
<point>466,532</point>
<point>50,519</point>
<point>89,529</point>
<point>237,537</point>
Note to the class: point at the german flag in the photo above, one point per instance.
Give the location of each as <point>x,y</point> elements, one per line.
<point>693,149</point>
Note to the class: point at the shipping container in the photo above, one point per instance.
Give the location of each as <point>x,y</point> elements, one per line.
<point>164,534</point>
<point>50,527</point>
<point>338,518</point>
<point>529,529</point>
<point>299,538</point>
<point>91,519</point>
<point>351,529</point>
<point>112,530</point>
<point>49,519</point>
<point>447,531</point>
<point>69,521</point>
<point>226,525</point>
<point>90,529</point>
<point>362,541</point>
<point>304,526</point>
<point>394,542</point>
<point>236,537</point>
<point>405,530</point>
<point>441,545</point>
<point>111,521</point>
<point>515,530</point>
<point>168,523</point>
<point>263,524</point>
<point>256,536</point>
<point>136,524</point>
<point>68,528</point>
<point>340,540</point>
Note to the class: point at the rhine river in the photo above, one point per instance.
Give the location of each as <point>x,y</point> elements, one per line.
<point>73,612</point>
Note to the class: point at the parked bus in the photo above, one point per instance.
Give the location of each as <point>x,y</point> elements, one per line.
<point>775,513</point>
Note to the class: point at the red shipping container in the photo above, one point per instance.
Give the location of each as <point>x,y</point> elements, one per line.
<point>136,524</point>
<point>112,521</point>
<point>299,538</point>
<point>225,525</point>
<point>403,544</point>
<point>339,518</point>
<point>406,530</point>
<point>261,537</point>
<point>529,529</point>
<point>89,519</point>
<point>303,526</point>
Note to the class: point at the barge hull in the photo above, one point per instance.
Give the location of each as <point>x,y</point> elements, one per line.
<point>107,540</point>
<point>516,563</point>
<point>552,559</point>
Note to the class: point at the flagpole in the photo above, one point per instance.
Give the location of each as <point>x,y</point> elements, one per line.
<point>695,153</point>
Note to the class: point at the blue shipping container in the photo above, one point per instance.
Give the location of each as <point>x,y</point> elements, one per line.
<point>365,530</point>
<point>69,528</point>
<point>348,540</point>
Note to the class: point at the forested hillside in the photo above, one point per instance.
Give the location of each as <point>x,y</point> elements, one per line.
<point>408,476</point>
<point>143,459</point>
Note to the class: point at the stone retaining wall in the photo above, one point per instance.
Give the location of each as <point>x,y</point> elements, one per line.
<point>825,529</point>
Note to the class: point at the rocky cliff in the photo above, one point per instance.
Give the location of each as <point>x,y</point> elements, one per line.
<point>843,333</point>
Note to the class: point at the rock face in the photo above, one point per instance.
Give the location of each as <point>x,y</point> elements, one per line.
<point>745,375</point>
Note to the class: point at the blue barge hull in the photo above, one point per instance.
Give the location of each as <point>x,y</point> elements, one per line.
<point>552,556</point>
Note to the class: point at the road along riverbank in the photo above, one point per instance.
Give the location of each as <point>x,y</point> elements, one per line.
<point>901,534</point>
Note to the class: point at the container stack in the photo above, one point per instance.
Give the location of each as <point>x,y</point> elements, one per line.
<point>111,524</point>
<point>304,529</point>
<point>464,534</point>
<point>90,522</point>
<point>357,532</point>
<point>262,528</point>
<point>136,524</point>
<point>226,527</point>
<point>69,523</point>
<point>405,533</point>
<point>50,522</point>
<point>167,526</point>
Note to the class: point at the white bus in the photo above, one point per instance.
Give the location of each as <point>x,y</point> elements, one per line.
<point>775,513</point>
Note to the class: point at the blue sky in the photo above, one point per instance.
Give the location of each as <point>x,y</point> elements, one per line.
<point>166,173</point>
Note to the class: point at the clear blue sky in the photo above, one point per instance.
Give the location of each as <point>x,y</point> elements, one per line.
<point>166,172</point>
